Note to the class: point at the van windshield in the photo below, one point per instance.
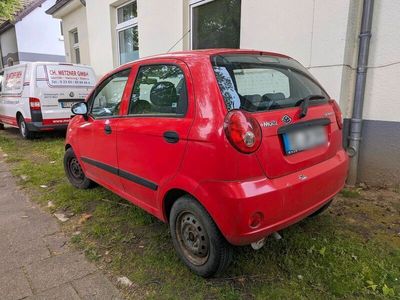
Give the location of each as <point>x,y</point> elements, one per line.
<point>261,83</point>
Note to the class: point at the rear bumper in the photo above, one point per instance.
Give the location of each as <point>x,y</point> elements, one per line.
<point>39,126</point>
<point>282,201</point>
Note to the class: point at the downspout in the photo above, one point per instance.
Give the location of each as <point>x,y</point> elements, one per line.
<point>362,67</point>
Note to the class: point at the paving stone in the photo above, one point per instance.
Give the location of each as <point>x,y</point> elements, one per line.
<point>35,260</point>
<point>95,286</point>
<point>57,270</point>
<point>65,292</point>
<point>57,243</point>
<point>14,285</point>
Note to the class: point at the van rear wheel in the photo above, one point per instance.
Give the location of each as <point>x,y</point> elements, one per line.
<point>23,129</point>
<point>197,239</point>
<point>2,126</point>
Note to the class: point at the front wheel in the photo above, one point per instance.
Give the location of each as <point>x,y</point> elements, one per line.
<point>197,239</point>
<point>74,171</point>
<point>23,129</point>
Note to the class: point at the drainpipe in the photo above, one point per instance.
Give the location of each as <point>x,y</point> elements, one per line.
<point>362,67</point>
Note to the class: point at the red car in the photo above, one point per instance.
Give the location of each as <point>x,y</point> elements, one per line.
<point>227,146</point>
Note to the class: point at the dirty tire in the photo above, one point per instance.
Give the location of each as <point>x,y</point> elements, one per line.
<point>197,239</point>
<point>321,210</point>
<point>74,171</point>
<point>2,126</point>
<point>23,129</point>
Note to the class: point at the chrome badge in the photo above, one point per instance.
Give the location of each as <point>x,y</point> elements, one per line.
<point>269,123</point>
<point>286,119</point>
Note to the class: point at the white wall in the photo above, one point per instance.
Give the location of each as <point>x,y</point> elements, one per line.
<point>311,31</point>
<point>40,33</point>
<point>160,25</point>
<point>77,20</point>
<point>101,30</point>
<point>383,80</point>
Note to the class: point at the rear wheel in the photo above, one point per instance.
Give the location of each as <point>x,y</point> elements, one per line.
<point>197,239</point>
<point>321,210</point>
<point>23,128</point>
<point>74,171</point>
<point>2,126</point>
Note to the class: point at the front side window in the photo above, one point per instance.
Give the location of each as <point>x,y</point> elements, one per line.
<point>108,95</point>
<point>215,24</point>
<point>261,83</point>
<point>159,90</point>
<point>127,32</point>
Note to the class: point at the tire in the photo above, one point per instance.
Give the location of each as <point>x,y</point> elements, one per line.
<point>197,239</point>
<point>2,126</point>
<point>74,171</point>
<point>321,210</point>
<point>23,129</point>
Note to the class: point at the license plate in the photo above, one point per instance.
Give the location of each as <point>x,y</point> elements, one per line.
<point>67,104</point>
<point>304,139</point>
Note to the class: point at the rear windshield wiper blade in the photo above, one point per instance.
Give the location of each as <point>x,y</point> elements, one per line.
<point>304,102</point>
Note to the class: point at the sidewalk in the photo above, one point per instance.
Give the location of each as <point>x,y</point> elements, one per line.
<point>35,260</point>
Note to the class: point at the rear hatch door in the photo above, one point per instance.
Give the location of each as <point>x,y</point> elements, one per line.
<point>282,151</point>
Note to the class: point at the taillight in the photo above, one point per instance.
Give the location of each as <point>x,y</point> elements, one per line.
<point>34,103</point>
<point>242,131</point>
<point>338,113</point>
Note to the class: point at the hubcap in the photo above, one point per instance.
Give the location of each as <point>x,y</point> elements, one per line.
<point>192,238</point>
<point>23,128</point>
<point>75,169</point>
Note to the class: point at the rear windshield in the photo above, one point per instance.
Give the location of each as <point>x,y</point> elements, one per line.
<point>262,83</point>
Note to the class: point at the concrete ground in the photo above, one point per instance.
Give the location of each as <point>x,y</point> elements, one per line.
<point>35,260</point>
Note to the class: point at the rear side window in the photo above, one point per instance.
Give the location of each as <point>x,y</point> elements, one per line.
<point>41,77</point>
<point>13,80</point>
<point>262,83</point>
<point>159,90</point>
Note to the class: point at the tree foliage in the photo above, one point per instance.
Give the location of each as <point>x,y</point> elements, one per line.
<point>8,7</point>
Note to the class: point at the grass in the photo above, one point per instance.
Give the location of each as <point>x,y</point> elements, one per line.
<point>351,251</point>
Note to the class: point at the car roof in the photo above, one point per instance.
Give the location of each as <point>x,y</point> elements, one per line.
<point>203,53</point>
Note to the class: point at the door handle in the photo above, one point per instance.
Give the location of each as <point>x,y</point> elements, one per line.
<point>107,129</point>
<point>171,137</point>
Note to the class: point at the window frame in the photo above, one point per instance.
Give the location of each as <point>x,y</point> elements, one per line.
<point>193,4</point>
<point>75,45</point>
<point>158,115</point>
<point>124,26</point>
<point>100,87</point>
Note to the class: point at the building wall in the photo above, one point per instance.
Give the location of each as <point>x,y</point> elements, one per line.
<point>159,32</point>
<point>9,47</point>
<point>102,34</point>
<point>321,34</point>
<point>39,36</point>
<point>313,32</point>
<point>380,146</point>
<point>72,21</point>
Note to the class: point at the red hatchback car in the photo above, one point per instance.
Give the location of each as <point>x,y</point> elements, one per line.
<point>227,146</point>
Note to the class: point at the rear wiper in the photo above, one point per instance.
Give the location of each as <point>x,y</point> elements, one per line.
<point>305,103</point>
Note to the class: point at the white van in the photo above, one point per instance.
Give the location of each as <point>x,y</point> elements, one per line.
<point>38,96</point>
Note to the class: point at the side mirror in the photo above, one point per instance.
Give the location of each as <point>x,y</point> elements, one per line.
<point>80,109</point>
